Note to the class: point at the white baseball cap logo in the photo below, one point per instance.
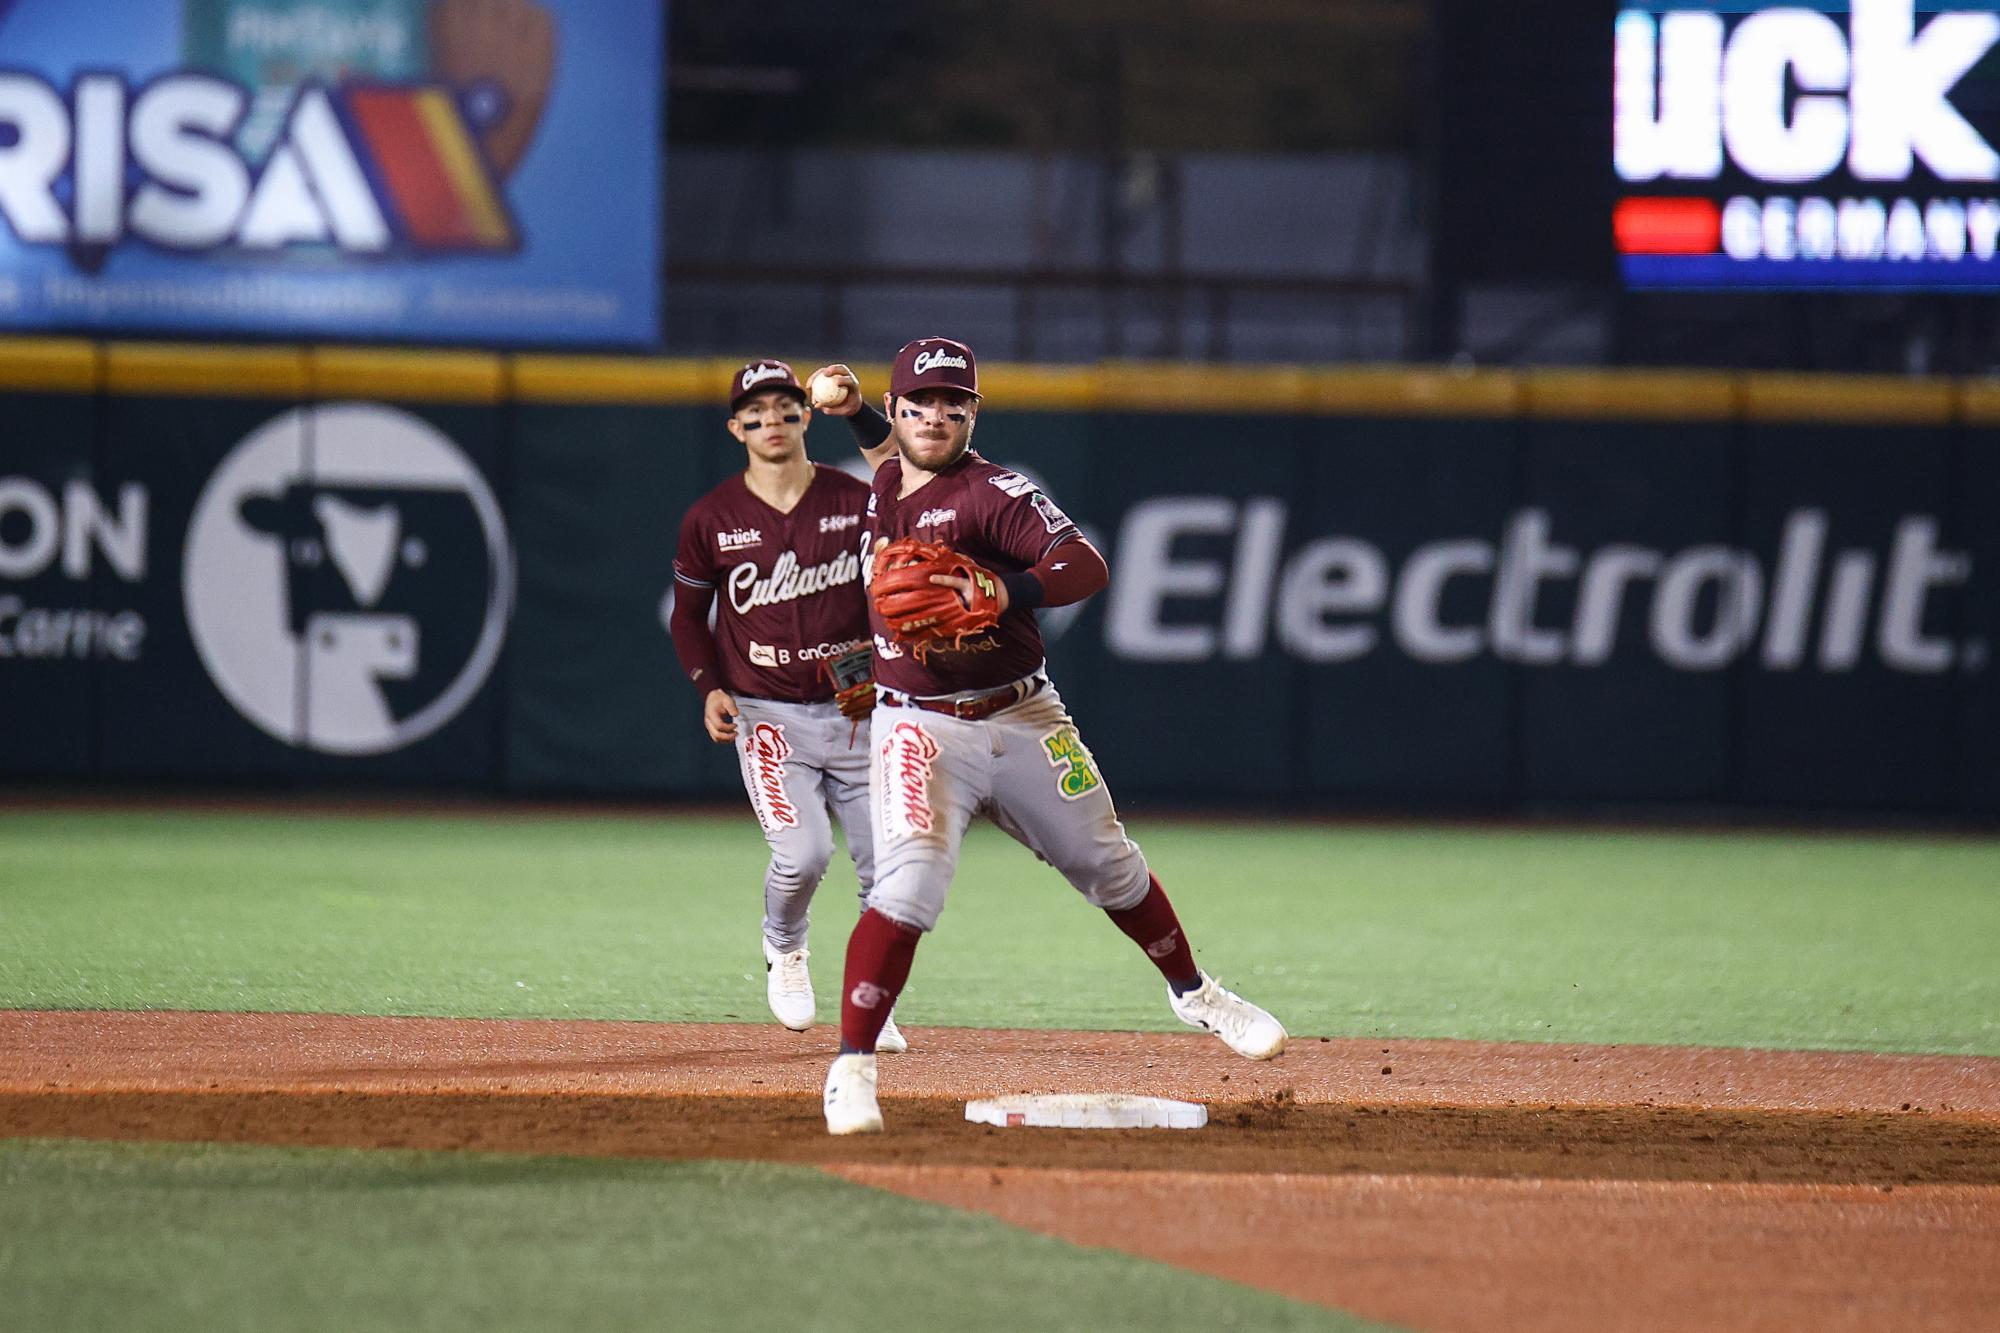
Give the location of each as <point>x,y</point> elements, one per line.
<point>755,375</point>
<point>934,359</point>
<point>348,578</point>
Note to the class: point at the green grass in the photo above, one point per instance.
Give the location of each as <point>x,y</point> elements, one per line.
<point>1883,943</point>
<point>119,1236</point>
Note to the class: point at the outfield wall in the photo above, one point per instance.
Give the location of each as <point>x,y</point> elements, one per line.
<point>1381,587</point>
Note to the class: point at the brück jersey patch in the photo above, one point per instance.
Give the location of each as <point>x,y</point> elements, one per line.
<point>1002,522</point>
<point>788,589</point>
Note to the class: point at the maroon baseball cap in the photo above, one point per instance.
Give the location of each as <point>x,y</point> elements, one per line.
<point>934,363</point>
<point>760,377</point>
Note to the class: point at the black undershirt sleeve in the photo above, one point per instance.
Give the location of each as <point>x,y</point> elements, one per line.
<point>870,427</point>
<point>1023,589</point>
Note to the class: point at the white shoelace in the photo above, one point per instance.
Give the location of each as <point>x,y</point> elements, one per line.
<point>792,972</point>
<point>1218,1006</point>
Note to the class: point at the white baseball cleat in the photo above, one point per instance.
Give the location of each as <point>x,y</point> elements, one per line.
<point>788,985</point>
<point>1246,1029</point>
<point>850,1102</point>
<point>892,1041</point>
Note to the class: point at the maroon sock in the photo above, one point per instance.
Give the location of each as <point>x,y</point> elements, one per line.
<point>879,953</point>
<point>1155,928</point>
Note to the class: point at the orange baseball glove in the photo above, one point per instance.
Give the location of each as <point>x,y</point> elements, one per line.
<point>926,615</point>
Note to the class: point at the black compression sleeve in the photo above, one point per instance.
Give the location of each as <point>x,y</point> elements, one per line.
<point>870,427</point>
<point>1024,590</point>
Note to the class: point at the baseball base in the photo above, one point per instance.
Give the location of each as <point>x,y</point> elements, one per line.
<point>1086,1110</point>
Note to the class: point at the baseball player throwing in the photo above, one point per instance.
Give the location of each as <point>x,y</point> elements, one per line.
<point>961,552</point>
<point>784,674</point>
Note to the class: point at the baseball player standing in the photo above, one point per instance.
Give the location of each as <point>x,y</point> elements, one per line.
<point>970,723</point>
<point>784,673</point>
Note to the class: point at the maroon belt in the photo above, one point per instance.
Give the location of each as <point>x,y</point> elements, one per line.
<point>969,710</point>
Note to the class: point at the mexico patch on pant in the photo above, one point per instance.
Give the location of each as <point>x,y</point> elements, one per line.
<point>906,756</point>
<point>1076,771</point>
<point>765,751</point>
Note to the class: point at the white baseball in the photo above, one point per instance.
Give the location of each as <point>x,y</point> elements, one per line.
<point>826,391</point>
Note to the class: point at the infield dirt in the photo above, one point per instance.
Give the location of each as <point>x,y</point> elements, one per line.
<point>1432,1184</point>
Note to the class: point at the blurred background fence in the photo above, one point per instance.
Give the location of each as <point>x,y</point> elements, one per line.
<point>1470,420</point>
<point>1367,587</point>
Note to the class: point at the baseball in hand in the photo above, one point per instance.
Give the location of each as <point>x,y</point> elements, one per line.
<point>826,391</point>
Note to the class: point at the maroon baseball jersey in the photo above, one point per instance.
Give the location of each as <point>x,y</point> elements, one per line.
<point>787,586</point>
<point>1002,522</point>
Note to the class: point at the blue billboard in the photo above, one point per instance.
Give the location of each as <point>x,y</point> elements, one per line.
<point>1808,144</point>
<point>394,170</point>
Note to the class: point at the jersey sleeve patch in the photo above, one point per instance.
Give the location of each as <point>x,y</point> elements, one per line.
<point>1054,519</point>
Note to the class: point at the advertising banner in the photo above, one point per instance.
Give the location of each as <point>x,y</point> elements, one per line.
<point>1975,498</point>
<point>1623,695</point>
<point>1861,573</point>
<point>290,581</point>
<point>385,169</point>
<point>67,547</point>
<point>1843,143</point>
<point>598,702</point>
<point>1498,611</point>
<point>324,590</point>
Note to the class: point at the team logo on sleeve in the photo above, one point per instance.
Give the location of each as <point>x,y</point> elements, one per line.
<point>1076,771</point>
<point>904,762</point>
<point>1054,519</point>
<point>1017,487</point>
<point>764,754</point>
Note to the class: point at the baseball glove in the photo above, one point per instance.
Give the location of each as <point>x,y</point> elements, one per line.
<point>852,676</point>
<point>928,615</point>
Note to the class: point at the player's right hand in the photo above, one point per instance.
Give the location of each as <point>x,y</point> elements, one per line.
<point>718,714</point>
<point>844,377</point>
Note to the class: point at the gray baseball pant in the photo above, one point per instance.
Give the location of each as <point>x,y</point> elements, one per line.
<point>799,767</point>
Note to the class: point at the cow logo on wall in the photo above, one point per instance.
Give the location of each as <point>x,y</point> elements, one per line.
<point>348,578</point>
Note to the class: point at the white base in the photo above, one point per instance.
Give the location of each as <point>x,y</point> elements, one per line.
<point>1086,1110</point>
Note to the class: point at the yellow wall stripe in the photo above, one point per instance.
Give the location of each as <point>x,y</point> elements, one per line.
<point>609,379</point>
<point>1054,388</point>
<point>1849,399</point>
<point>73,366</point>
<point>1979,402</point>
<point>50,365</point>
<point>1592,395</point>
<point>1413,391</point>
<point>437,377</point>
<point>204,370</point>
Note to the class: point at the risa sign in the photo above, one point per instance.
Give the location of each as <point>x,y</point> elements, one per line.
<point>363,168</point>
